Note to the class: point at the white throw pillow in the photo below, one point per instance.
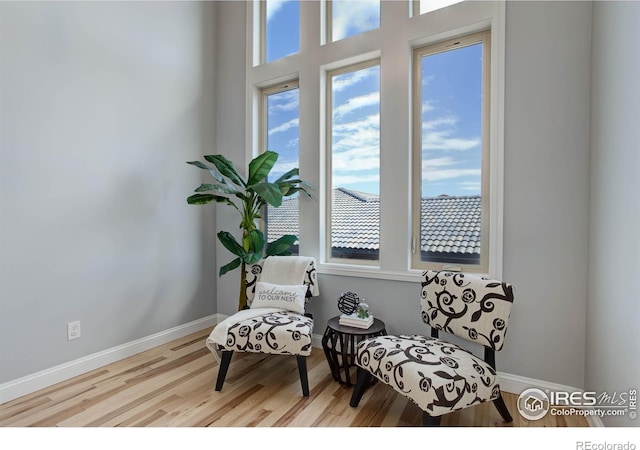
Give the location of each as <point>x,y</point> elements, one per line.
<point>289,297</point>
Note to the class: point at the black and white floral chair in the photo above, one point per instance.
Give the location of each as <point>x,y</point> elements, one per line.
<point>276,322</point>
<point>441,377</point>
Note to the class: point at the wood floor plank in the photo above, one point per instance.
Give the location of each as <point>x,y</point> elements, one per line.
<point>173,386</point>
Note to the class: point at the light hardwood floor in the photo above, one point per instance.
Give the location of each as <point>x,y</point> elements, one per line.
<point>173,386</point>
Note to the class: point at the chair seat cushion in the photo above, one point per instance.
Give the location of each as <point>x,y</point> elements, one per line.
<point>438,376</point>
<point>280,333</point>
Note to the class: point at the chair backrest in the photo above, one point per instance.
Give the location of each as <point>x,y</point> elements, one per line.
<point>253,276</point>
<point>469,306</point>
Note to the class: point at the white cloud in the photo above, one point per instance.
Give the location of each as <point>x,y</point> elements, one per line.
<point>355,160</point>
<point>284,101</point>
<point>473,186</point>
<point>343,180</point>
<point>285,126</point>
<point>356,103</point>
<point>432,5</point>
<point>439,134</point>
<point>438,169</point>
<point>439,123</point>
<point>432,163</point>
<point>273,6</point>
<point>447,174</point>
<point>356,15</point>
<point>356,151</point>
<point>426,80</point>
<point>372,121</point>
<point>355,142</point>
<point>343,81</point>
<point>427,106</point>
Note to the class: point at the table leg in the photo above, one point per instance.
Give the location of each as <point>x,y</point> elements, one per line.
<point>327,353</point>
<point>344,346</point>
<point>334,356</point>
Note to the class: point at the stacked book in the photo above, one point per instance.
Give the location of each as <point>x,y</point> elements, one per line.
<point>353,320</point>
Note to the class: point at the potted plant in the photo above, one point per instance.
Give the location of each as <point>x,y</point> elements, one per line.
<point>248,196</point>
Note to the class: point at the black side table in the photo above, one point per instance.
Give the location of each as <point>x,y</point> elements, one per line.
<point>339,343</point>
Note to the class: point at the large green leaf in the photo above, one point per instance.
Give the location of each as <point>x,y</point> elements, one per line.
<point>256,241</point>
<point>227,169</point>
<point>252,258</point>
<point>231,244</point>
<point>289,174</point>
<point>203,199</point>
<point>281,246</point>
<point>260,167</point>
<point>211,170</point>
<point>228,267</point>
<point>269,192</point>
<point>224,188</point>
<point>293,189</point>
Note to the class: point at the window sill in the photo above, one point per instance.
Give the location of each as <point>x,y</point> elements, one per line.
<point>410,275</point>
<point>344,270</point>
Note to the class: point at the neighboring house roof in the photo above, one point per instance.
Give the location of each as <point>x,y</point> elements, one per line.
<point>449,224</point>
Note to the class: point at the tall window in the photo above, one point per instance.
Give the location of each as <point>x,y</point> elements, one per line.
<point>354,161</point>
<point>351,17</point>
<point>384,77</point>
<point>280,115</point>
<point>451,154</point>
<point>280,21</point>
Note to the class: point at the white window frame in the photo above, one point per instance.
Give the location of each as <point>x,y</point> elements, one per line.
<point>263,116</point>
<point>393,43</point>
<point>484,38</point>
<point>328,191</point>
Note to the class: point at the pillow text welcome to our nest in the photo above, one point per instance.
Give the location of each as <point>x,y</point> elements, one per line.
<point>289,297</point>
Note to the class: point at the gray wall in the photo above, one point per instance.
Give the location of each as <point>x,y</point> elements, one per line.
<point>230,130</point>
<point>101,105</point>
<point>546,191</point>
<point>613,337</point>
<point>546,187</point>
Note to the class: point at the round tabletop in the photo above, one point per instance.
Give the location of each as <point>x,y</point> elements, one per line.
<point>377,327</point>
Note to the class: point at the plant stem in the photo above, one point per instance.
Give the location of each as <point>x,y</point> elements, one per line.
<point>242,302</point>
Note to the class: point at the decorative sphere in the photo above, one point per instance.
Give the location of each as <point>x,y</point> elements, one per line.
<point>348,303</point>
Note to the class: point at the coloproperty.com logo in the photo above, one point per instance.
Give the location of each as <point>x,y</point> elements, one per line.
<point>534,403</point>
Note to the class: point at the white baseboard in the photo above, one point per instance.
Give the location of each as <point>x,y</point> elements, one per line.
<point>48,377</point>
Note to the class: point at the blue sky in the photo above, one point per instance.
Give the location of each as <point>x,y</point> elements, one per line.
<point>451,104</point>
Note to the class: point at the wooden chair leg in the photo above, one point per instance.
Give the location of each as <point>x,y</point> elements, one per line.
<point>302,369</point>
<point>222,370</point>
<point>362,381</point>
<point>502,409</point>
<point>430,421</point>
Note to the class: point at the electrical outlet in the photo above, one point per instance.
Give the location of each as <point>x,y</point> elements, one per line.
<point>73,330</point>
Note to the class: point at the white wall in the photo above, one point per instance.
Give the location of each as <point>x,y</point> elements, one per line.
<point>101,105</point>
<point>546,190</point>
<point>613,334</point>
